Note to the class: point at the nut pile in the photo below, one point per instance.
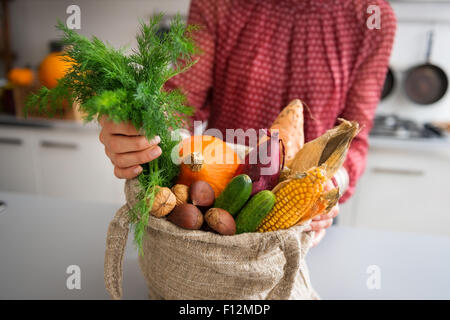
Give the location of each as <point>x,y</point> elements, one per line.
<point>191,208</point>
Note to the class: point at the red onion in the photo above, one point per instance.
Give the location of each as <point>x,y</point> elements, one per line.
<point>263,164</point>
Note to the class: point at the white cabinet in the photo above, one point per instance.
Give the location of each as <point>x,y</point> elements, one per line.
<point>17,165</point>
<point>403,189</point>
<point>63,163</point>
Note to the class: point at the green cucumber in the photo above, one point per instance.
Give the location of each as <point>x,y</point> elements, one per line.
<point>255,211</point>
<point>235,194</point>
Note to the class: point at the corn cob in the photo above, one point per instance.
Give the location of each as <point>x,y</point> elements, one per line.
<point>295,198</point>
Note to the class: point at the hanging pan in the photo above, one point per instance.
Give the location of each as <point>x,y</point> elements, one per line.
<point>426,83</point>
<point>389,84</point>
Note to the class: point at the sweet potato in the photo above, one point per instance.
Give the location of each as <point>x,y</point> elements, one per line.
<point>289,124</point>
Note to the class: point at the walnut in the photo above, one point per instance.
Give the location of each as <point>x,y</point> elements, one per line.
<point>164,203</point>
<point>181,192</point>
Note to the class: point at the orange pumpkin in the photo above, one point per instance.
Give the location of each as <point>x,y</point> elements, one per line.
<point>209,159</point>
<point>53,68</point>
<point>21,76</point>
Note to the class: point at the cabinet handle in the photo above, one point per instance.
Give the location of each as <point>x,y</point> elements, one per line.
<point>10,141</point>
<point>2,206</point>
<point>404,172</point>
<point>58,145</point>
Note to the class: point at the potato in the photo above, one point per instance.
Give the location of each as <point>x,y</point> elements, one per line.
<point>201,193</point>
<point>207,228</point>
<point>221,221</point>
<point>186,216</point>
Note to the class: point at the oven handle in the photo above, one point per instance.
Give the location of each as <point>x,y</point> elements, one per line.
<point>58,145</point>
<point>403,172</point>
<point>11,141</point>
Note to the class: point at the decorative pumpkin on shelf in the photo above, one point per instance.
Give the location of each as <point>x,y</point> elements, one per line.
<point>21,76</point>
<point>53,68</point>
<point>209,159</point>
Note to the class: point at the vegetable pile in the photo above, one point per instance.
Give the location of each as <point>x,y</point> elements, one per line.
<point>238,197</point>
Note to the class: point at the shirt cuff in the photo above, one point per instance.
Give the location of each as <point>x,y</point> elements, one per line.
<point>342,180</point>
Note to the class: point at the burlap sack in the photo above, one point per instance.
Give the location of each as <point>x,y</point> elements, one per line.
<point>184,264</point>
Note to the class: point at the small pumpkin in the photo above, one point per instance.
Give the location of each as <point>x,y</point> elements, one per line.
<point>209,159</point>
<point>21,76</point>
<point>53,68</point>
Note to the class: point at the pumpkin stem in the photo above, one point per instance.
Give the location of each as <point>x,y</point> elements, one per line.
<point>194,161</point>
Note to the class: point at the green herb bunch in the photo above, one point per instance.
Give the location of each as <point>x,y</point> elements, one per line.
<point>104,81</point>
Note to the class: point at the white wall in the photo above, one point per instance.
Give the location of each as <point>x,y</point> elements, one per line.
<point>116,21</point>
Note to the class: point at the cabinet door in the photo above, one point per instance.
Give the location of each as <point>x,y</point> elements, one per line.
<point>75,166</point>
<point>404,191</point>
<point>17,165</point>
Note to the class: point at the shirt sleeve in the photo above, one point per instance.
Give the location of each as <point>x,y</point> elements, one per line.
<point>196,83</point>
<point>364,93</point>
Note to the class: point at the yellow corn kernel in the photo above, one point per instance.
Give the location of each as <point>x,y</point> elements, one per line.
<point>294,200</point>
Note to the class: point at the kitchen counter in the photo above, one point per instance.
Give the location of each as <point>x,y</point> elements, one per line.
<point>411,266</point>
<point>420,145</point>
<point>36,123</point>
<point>41,236</point>
<point>374,140</point>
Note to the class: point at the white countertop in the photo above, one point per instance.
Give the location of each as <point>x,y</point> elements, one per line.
<point>41,236</point>
<point>411,266</point>
<point>42,123</point>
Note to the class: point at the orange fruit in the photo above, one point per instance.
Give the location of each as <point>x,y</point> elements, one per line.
<point>53,68</point>
<point>21,76</point>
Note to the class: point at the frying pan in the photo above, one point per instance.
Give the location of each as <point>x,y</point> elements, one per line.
<point>426,83</point>
<point>389,84</point>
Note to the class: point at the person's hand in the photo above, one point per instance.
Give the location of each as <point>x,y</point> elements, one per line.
<point>126,148</point>
<point>320,223</point>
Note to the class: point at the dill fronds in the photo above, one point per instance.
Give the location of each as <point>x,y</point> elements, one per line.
<point>104,81</point>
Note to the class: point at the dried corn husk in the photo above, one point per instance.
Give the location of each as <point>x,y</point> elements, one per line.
<point>329,149</point>
<point>325,203</point>
<point>327,152</point>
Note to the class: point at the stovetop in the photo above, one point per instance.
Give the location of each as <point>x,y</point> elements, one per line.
<point>401,128</point>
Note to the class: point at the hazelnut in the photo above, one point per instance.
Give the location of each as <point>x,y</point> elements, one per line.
<point>201,193</point>
<point>186,216</point>
<point>220,221</point>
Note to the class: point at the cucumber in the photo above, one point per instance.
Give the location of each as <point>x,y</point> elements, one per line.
<point>235,194</point>
<point>255,211</point>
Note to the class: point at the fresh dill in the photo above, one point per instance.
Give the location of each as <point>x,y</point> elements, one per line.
<point>105,81</point>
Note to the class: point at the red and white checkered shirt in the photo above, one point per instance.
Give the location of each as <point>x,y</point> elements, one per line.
<point>260,54</point>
